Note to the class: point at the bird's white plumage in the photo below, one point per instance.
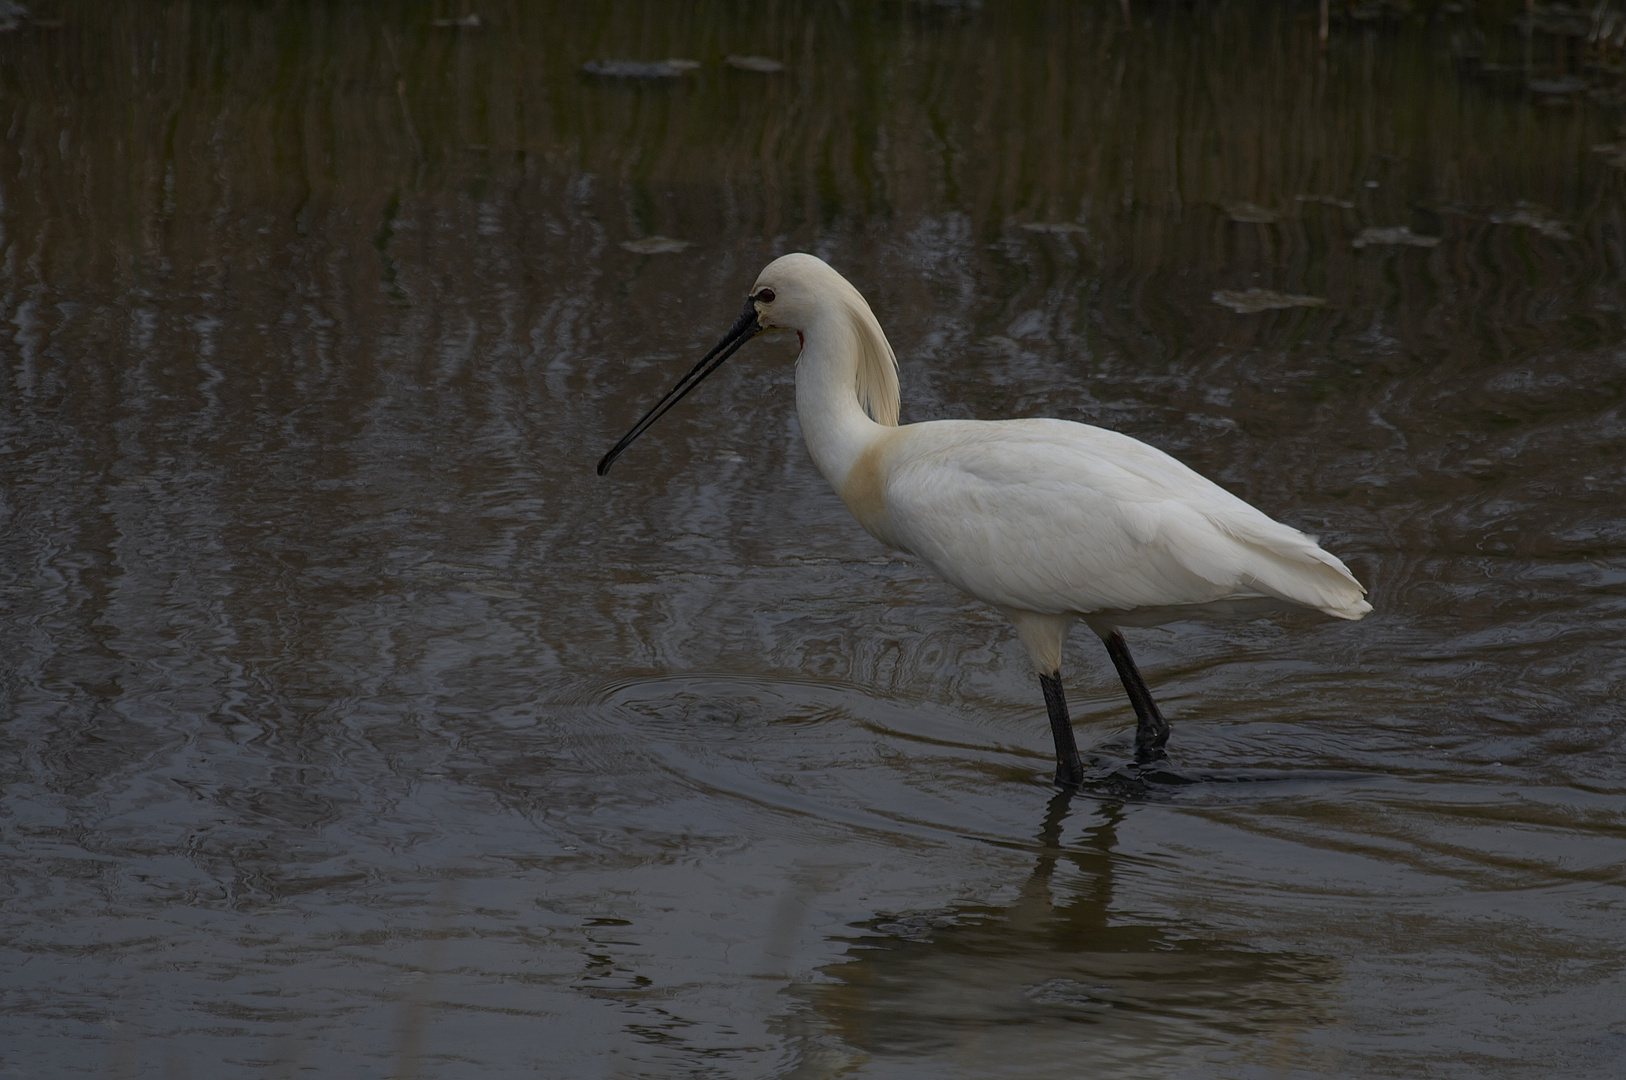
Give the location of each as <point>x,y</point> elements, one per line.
<point>1057,517</point>
<point>1048,520</point>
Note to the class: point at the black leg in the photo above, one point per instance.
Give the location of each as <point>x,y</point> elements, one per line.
<point>1069,769</point>
<point>1152,731</point>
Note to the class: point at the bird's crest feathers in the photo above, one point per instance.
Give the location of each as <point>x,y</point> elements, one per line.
<point>877,376</point>
<point>798,278</point>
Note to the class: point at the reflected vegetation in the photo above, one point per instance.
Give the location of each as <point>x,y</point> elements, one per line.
<point>350,724</point>
<point>976,984</point>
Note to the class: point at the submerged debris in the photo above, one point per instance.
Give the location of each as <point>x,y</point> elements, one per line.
<point>471,21</point>
<point>1393,235</point>
<point>1376,11</point>
<point>1328,200</point>
<point>1530,218</point>
<point>1059,227</point>
<point>1614,154</point>
<point>639,69</point>
<point>1560,87</point>
<point>1529,215</point>
<point>1256,300</point>
<point>1559,20</point>
<point>12,15</point>
<point>655,245</point>
<point>765,65</point>
<point>1252,213</point>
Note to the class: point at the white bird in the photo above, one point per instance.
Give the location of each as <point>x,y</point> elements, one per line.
<point>1050,521</point>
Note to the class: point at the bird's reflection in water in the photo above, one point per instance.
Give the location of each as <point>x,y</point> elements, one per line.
<point>1057,979</point>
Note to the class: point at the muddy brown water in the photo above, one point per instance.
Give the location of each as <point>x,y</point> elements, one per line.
<point>351,726</point>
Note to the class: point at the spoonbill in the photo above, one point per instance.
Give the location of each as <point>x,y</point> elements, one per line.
<point>1049,521</point>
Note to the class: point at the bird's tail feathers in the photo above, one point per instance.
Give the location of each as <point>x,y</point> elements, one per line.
<point>1298,570</point>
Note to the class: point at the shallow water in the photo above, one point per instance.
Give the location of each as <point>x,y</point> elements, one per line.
<point>353,726</point>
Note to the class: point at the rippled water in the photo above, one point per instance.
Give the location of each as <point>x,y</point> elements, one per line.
<point>349,725</point>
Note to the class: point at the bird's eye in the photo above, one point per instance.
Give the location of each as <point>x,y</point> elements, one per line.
<point>765,296</point>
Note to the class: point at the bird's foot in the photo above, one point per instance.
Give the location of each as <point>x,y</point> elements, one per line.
<point>1149,745</point>
<point>1149,755</point>
<point>1151,735</point>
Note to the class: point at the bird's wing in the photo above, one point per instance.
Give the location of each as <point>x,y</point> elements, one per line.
<point>1053,516</point>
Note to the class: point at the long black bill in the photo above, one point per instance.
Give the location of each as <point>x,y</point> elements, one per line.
<point>744,329</point>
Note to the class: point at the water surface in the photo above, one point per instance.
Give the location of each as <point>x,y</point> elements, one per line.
<point>350,725</point>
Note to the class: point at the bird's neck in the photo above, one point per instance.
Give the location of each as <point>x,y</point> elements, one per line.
<point>837,429</point>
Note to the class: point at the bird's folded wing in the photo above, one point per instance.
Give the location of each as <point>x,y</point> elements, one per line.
<point>1052,516</point>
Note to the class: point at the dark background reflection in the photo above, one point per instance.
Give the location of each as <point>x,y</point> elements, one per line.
<point>350,724</point>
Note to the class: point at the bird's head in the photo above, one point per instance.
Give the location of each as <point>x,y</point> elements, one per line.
<point>790,288</point>
<point>785,297</point>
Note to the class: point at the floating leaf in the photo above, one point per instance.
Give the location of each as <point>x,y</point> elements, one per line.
<point>1256,300</point>
<point>1329,200</point>
<point>1529,215</point>
<point>655,245</point>
<point>639,69</point>
<point>763,64</point>
<point>1568,84</point>
<point>1530,218</point>
<point>1253,214</point>
<point>1560,20</point>
<point>1394,235</point>
<point>1615,154</point>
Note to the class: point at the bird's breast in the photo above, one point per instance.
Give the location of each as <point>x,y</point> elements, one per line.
<point>864,491</point>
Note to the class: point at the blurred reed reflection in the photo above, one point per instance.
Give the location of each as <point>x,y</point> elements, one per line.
<point>974,983</point>
<point>315,316</point>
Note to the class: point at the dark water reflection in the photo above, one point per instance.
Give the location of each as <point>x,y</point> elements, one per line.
<point>350,724</point>
<point>984,984</point>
